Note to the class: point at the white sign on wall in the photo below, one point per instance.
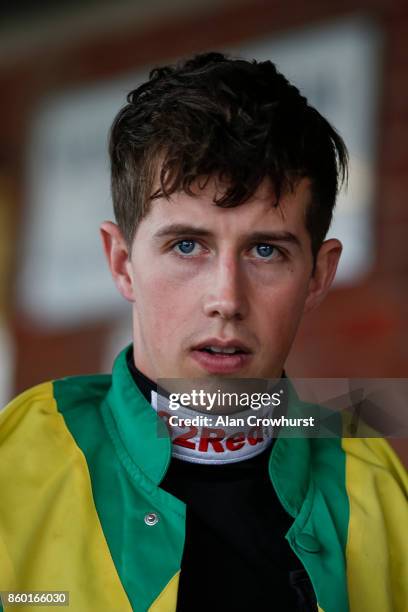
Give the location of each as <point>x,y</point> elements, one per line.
<point>64,278</point>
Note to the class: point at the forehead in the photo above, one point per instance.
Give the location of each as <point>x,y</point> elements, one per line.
<point>259,212</point>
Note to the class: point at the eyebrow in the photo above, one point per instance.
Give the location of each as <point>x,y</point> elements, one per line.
<point>179,229</point>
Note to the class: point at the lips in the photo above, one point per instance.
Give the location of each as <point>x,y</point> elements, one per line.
<point>222,344</point>
<point>218,362</point>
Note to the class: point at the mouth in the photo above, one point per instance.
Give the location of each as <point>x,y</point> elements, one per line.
<point>217,356</point>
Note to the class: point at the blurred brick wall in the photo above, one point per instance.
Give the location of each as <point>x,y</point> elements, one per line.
<point>361,330</point>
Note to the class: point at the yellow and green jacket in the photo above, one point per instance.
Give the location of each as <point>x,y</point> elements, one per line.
<point>81,463</point>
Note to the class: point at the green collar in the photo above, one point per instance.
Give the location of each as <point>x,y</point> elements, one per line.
<point>143,434</point>
<point>146,439</point>
<point>289,464</point>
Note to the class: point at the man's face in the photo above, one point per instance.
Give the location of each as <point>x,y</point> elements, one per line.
<point>202,277</point>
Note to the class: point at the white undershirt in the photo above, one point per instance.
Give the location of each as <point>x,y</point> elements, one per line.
<point>229,440</point>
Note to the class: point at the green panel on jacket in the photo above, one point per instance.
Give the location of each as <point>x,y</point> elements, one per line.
<point>146,557</point>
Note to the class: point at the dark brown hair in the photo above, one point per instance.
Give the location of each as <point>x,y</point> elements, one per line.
<point>239,120</point>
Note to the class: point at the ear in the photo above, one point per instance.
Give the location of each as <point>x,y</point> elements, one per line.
<point>117,254</point>
<point>325,271</point>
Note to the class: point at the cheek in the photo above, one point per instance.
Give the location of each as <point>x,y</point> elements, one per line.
<point>281,307</point>
<point>166,304</point>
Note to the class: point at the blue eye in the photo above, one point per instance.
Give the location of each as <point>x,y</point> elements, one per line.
<point>186,246</point>
<point>265,250</point>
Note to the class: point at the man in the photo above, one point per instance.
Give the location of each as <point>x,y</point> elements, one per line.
<point>224,181</point>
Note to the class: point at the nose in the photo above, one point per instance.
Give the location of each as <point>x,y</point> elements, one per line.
<point>226,297</point>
